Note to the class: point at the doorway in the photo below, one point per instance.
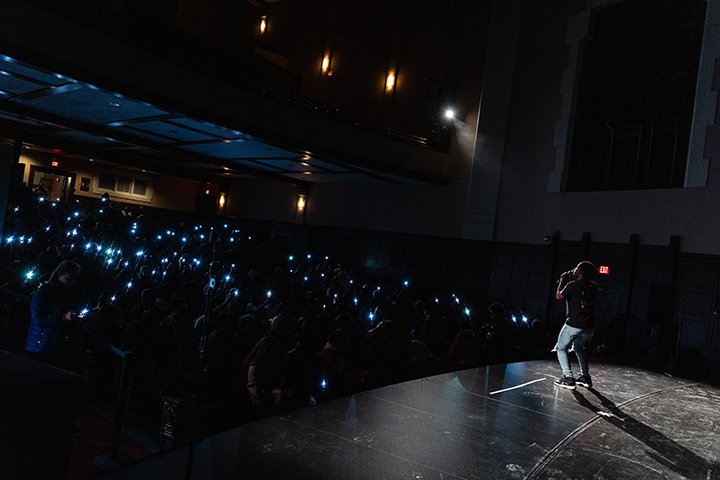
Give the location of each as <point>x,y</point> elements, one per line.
<point>58,185</point>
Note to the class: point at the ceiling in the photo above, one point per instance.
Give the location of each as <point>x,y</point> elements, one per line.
<point>55,110</point>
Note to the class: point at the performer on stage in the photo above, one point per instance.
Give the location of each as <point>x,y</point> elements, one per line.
<point>578,290</point>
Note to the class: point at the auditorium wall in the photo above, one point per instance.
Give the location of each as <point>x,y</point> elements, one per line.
<point>528,211</point>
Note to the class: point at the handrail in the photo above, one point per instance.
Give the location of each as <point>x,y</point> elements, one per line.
<point>15,294</point>
<point>105,344</point>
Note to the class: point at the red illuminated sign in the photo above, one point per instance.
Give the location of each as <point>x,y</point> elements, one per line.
<point>55,163</point>
<point>604,270</point>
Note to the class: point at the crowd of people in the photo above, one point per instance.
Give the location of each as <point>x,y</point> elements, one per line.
<point>273,330</point>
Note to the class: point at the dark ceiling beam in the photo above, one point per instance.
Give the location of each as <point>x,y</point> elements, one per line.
<point>24,111</point>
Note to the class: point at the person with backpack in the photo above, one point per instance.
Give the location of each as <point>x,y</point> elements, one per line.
<point>579,291</point>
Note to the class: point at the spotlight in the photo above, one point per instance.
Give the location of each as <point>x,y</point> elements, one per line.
<point>449,114</point>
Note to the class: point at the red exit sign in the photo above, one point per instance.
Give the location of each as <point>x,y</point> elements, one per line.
<point>604,270</point>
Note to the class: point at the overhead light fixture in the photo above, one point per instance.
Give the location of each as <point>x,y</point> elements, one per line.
<point>449,113</point>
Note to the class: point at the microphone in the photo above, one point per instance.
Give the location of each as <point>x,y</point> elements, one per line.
<point>564,275</point>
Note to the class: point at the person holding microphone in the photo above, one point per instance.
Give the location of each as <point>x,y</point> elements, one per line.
<point>579,291</point>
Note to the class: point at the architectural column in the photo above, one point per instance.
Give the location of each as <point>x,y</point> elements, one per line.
<point>706,100</point>
<point>7,163</point>
<point>489,149</point>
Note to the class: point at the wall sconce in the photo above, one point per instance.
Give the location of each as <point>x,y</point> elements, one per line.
<point>300,208</point>
<point>263,24</point>
<point>221,202</point>
<point>325,66</point>
<point>301,203</point>
<point>390,81</point>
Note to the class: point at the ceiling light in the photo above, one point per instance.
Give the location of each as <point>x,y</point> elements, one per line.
<point>304,164</point>
<point>449,113</point>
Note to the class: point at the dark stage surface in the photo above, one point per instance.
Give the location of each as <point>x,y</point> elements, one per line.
<point>632,424</point>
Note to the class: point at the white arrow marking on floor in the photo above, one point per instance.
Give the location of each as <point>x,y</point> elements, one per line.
<point>517,386</point>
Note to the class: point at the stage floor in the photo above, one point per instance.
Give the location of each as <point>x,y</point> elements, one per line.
<point>502,421</point>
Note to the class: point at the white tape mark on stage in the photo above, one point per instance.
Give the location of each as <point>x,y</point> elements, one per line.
<point>517,386</point>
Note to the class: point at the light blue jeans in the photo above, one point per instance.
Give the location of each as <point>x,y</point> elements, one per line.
<point>577,337</point>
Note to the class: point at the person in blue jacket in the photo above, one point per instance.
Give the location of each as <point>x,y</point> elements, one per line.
<point>55,308</point>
